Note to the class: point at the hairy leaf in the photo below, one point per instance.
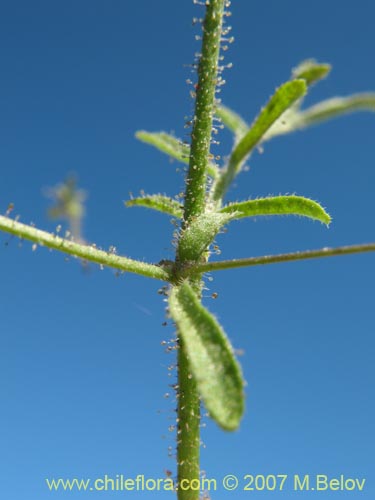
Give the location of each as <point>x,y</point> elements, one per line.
<point>158,202</point>
<point>278,205</point>
<point>199,234</point>
<point>172,146</point>
<point>166,143</point>
<point>311,71</point>
<point>334,107</point>
<point>210,354</point>
<point>284,97</point>
<point>296,119</point>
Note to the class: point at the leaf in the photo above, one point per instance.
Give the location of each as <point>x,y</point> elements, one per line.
<point>311,71</point>
<point>334,107</point>
<point>166,143</point>
<point>284,97</point>
<point>172,146</point>
<point>158,202</point>
<point>278,205</point>
<point>210,354</point>
<point>84,251</point>
<point>199,234</point>
<point>232,120</point>
<point>321,112</point>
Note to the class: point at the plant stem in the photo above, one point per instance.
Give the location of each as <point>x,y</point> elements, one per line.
<point>195,196</point>
<point>188,431</point>
<point>188,437</point>
<point>86,252</point>
<point>284,257</point>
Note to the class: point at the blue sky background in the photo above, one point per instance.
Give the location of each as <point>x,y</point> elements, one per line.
<point>82,371</point>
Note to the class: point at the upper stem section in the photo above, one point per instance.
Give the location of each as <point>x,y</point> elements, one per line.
<point>86,252</point>
<point>204,110</point>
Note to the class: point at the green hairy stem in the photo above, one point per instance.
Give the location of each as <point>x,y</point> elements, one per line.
<point>188,426</point>
<point>188,466</point>
<point>204,110</point>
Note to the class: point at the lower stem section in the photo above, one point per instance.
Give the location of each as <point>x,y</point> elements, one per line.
<point>188,430</point>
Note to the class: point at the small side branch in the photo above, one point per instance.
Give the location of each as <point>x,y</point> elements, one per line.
<point>86,252</point>
<point>284,257</point>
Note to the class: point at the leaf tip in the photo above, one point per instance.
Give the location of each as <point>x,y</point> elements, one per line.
<point>299,87</point>
<point>311,71</point>
<point>326,219</point>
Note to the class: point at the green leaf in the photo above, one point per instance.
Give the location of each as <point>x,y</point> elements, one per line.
<point>335,107</point>
<point>328,109</point>
<point>172,146</point>
<point>232,120</point>
<point>166,143</point>
<point>284,97</point>
<point>311,71</point>
<point>83,251</point>
<point>199,234</point>
<point>210,354</point>
<point>158,202</point>
<point>278,205</point>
